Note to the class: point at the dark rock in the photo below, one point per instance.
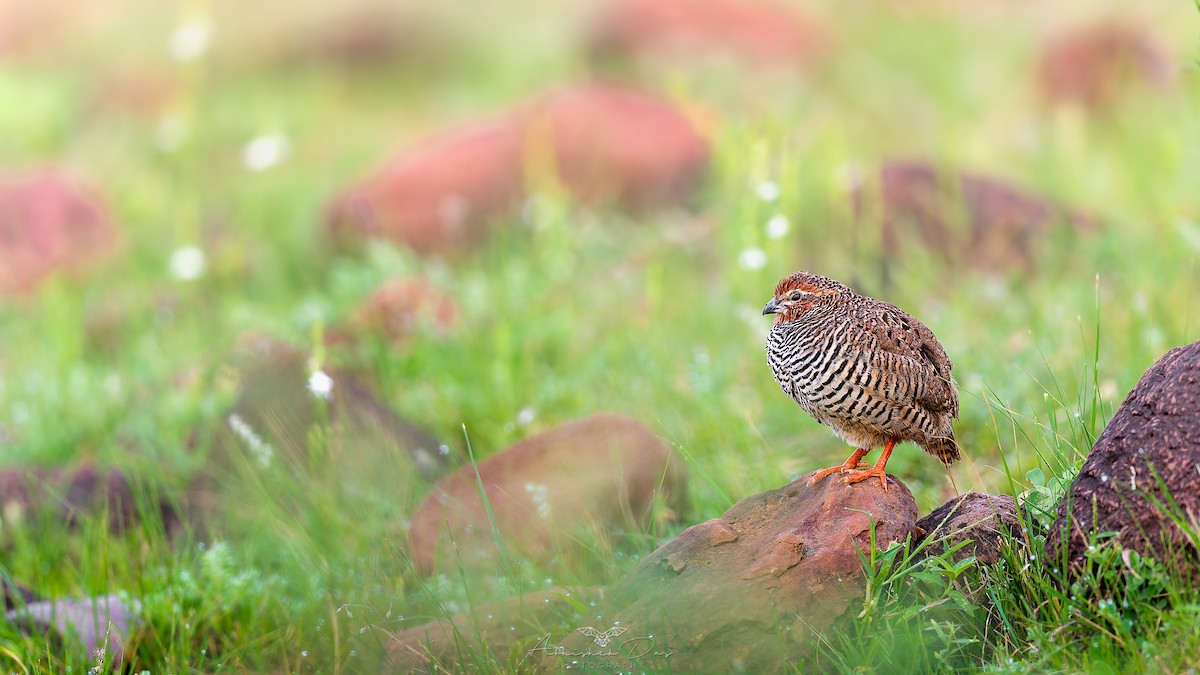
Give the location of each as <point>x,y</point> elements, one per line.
<point>49,222</point>
<point>679,30</point>
<point>491,631</point>
<point>754,590</point>
<point>601,143</point>
<point>16,595</point>
<point>275,411</point>
<point>75,493</point>
<point>1142,471</point>
<point>1092,66</point>
<point>981,519</point>
<point>967,219</point>
<point>105,622</point>
<point>604,471</point>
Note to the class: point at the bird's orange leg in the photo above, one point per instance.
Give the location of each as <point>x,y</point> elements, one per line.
<point>878,469</point>
<point>845,467</point>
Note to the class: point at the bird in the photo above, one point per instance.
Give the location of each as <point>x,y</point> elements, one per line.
<point>864,367</point>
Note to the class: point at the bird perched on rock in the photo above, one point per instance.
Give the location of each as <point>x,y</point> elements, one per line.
<point>865,368</point>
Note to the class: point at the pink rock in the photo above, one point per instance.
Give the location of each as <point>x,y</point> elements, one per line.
<point>582,478</point>
<point>400,307</point>
<point>1093,65</point>
<point>760,32</point>
<point>603,144</point>
<point>49,222</point>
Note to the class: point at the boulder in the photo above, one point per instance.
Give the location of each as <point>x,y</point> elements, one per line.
<point>600,143</point>
<point>71,494</point>
<point>50,221</point>
<point>15,595</point>
<point>982,520</point>
<point>1140,476</point>
<point>276,408</point>
<point>575,483</point>
<point>761,33</point>
<point>487,634</point>
<point>965,218</point>
<point>751,591</point>
<point>1092,66</point>
<point>106,624</point>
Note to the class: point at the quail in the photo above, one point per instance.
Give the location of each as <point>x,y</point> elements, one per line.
<point>863,367</point>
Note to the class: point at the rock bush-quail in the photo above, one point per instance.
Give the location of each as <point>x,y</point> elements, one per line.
<point>863,367</point>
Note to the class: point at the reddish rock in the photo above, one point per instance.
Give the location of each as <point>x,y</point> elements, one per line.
<point>71,494</point>
<point>1141,473</point>
<point>982,520</point>
<point>754,590</point>
<point>973,219</point>
<point>601,143</point>
<point>49,222</point>
<point>402,306</point>
<point>547,493</point>
<point>1092,66</point>
<point>677,30</point>
<point>486,635</point>
<point>104,623</point>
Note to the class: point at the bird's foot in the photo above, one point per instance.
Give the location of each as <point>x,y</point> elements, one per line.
<point>841,468</point>
<point>859,476</point>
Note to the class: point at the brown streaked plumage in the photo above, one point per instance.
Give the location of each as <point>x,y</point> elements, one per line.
<point>865,368</point>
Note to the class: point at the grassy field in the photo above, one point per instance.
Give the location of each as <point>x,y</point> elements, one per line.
<point>567,312</point>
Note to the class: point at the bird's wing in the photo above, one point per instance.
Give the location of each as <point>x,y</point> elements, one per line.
<point>906,349</point>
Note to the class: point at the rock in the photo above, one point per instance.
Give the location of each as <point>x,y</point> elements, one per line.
<point>75,493</point>
<point>602,472</point>
<point>15,595</point>
<point>1153,438</point>
<point>966,218</point>
<point>491,631</point>
<point>675,31</point>
<point>105,623</point>
<point>275,411</point>
<point>1092,66</point>
<point>600,143</point>
<point>753,590</point>
<point>49,222</point>
<point>980,519</point>
<point>401,307</point>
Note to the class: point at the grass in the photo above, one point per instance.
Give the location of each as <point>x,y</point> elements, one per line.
<point>567,312</point>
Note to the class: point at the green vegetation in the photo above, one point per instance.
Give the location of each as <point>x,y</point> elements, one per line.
<point>567,312</point>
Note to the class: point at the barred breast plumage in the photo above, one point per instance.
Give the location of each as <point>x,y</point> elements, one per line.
<point>864,367</point>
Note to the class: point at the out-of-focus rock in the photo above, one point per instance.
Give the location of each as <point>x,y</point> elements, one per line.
<point>548,493</point>
<point>49,222</point>
<point>277,407</point>
<point>602,144</point>
<point>982,520</point>
<point>1093,66</point>
<point>72,494</point>
<point>675,31</point>
<point>401,307</point>
<point>1140,476</point>
<point>106,622</point>
<point>965,218</point>
<point>488,634</point>
<point>16,595</point>
<point>752,591</point>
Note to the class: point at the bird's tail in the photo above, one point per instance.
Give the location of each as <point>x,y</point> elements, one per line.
<point>944,448</point>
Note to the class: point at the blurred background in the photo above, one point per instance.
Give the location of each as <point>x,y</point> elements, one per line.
<point>272,267</point>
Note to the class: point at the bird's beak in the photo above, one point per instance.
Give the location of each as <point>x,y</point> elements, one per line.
<point>772,307</point>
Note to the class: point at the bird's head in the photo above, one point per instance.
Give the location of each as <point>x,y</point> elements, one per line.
<point>798,293</point>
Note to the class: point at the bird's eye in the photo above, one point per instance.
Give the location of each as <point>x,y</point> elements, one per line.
<point>795,295</point>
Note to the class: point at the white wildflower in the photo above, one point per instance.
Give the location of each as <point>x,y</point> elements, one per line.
<point>768,191</point>
<point>320,384</point>
<point>525,417</point>
<point>187,263</point>
<point>260,449</point>
<point>190,41</point>
<point>265,152</point>
<point>778,226</point>
<point>752,258</point>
